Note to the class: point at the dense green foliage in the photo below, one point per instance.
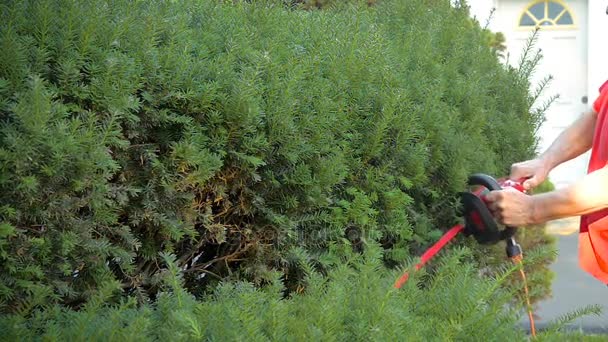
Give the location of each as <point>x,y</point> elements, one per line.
<point>325,4</point>
<point>356,302</point>
<point>242,138</point>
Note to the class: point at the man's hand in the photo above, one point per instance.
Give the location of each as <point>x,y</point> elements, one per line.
<point>535,170</point>
<point>511,207</point>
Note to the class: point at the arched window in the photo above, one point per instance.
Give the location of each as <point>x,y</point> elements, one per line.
<point>546,13</point>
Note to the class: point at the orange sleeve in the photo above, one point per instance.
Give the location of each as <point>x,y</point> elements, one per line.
<point>602,100</point>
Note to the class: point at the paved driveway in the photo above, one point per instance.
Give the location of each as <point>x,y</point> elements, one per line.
<point>572,288</point>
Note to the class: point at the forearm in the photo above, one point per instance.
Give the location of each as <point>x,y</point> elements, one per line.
<point>572,142</point>
<point>588,195</point>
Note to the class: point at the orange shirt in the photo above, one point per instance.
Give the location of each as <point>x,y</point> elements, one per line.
<point>593,236</point>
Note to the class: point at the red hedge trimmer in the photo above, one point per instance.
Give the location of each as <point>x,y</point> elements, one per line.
<point>480,224</point>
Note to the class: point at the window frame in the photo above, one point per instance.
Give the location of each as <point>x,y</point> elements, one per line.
<point>538,21</point>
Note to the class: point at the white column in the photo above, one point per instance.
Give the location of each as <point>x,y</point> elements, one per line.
<point>597,47</point>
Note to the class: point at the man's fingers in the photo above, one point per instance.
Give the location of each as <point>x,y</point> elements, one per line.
<point>493,200</point>
<point>491,196</point>
<point>497,212</point>
<point>494,196</point>
<point>500,219</point>
<point>518,172</point>
<point>531,183</point>
<point>533,170</point>
<point>497,209</point>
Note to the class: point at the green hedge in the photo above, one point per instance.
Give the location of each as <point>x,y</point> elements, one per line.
<point>242,138</point>
<point>356,302</point>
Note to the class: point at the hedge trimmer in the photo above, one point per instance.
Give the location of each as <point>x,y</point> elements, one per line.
<point>480,223</point>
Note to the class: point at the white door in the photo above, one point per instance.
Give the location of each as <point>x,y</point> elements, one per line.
<point>563,41</point>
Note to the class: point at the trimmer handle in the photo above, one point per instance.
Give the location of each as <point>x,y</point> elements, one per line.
<point>484,180</point>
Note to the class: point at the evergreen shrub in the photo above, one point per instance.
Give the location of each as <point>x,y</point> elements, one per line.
<point>243,138</point>
<point>355,302</point>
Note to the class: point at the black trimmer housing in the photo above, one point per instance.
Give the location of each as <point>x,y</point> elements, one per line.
<point>479,221</point>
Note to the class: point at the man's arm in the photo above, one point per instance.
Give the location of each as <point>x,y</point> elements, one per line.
<point>572,142</point>
<point>583,197</point>
<point>514,208</point>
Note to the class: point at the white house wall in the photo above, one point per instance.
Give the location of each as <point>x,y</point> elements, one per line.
<point>598,45</point>
<point>575,64</point>
<point>481,9</point>
<point>597,24</point>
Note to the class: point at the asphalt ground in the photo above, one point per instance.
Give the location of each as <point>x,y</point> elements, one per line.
<point>572,288</point>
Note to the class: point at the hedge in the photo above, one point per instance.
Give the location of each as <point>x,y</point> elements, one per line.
<point>355,302</point>
<point>245,138</point>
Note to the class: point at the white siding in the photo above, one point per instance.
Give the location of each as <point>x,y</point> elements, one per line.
<point>598,46</point>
